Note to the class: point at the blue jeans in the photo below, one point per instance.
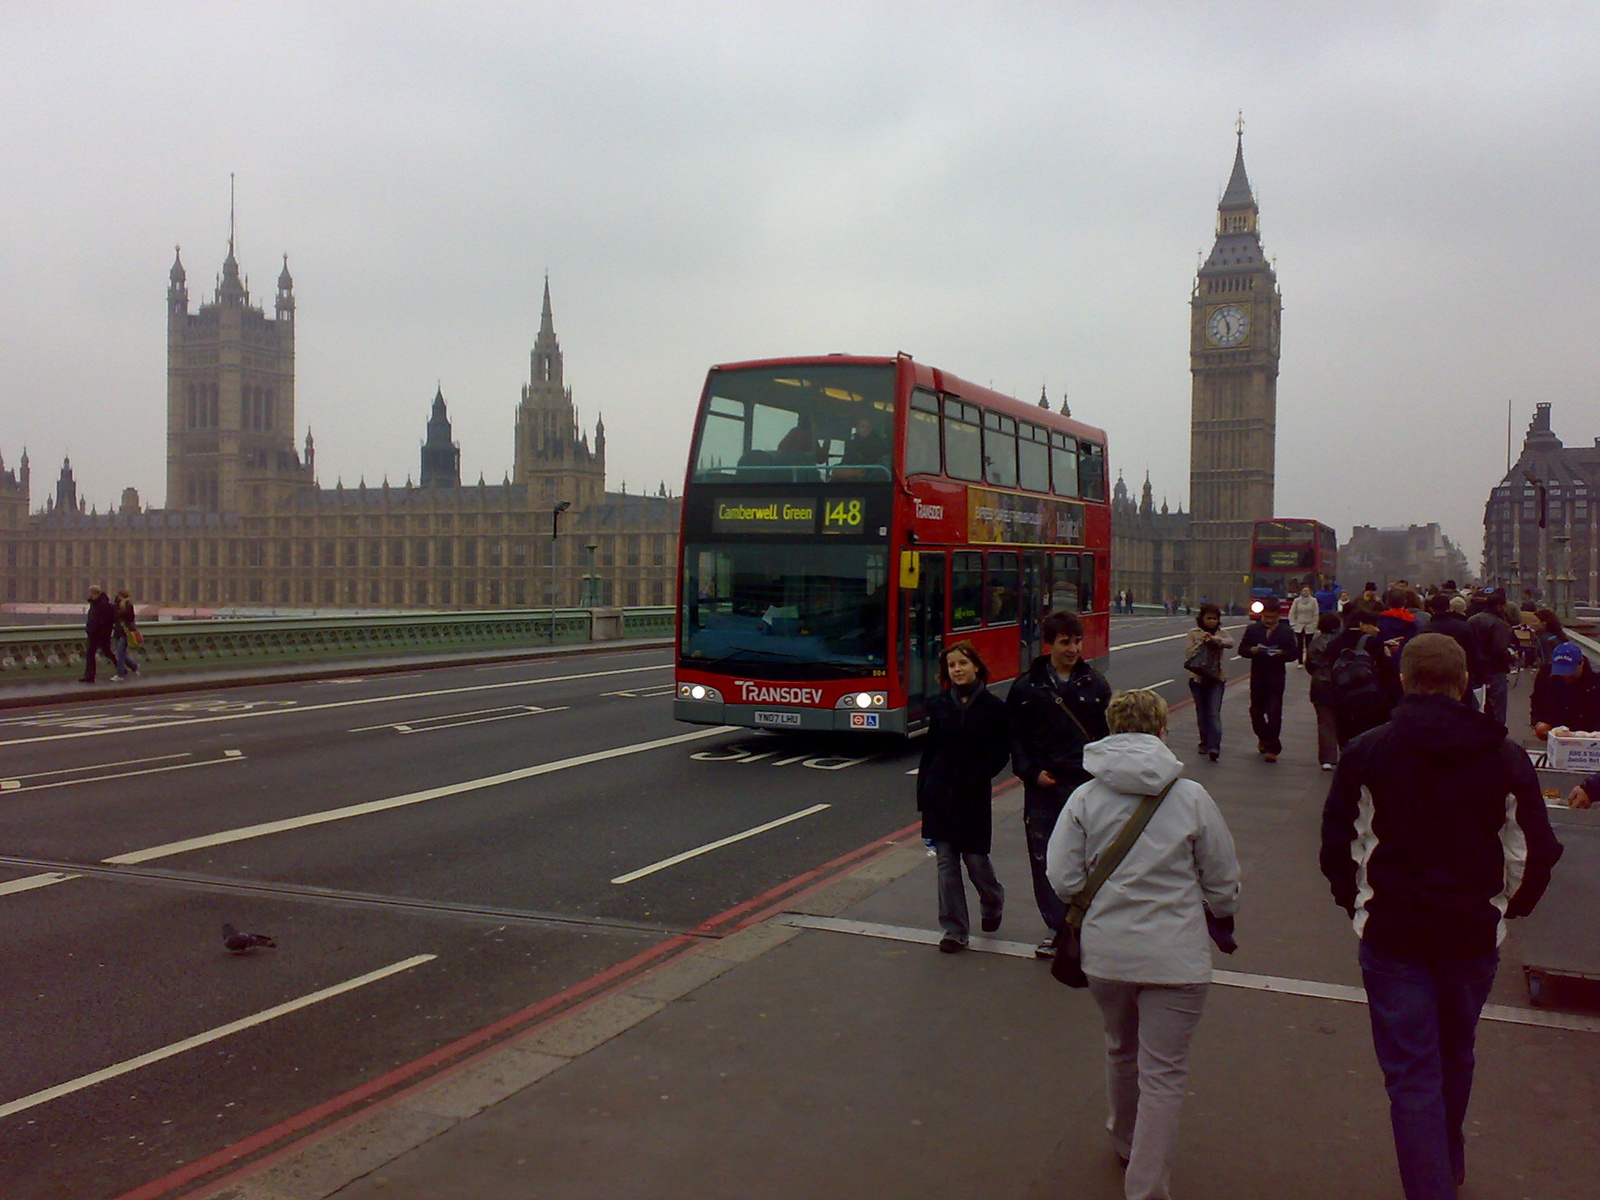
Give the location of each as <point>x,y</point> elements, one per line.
<point>1424,1016</point>
<point>953,893</point>
<point>1207,695</point>
<point>119,651</point>
<point>1038,823</point>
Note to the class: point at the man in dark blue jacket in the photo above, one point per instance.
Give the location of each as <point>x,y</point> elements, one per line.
<point>1271,646</point>
<point>98,619</point>
<point>1421,849</point>
<point>1056,709</point>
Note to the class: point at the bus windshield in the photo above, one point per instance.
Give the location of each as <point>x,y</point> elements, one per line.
<point>797,423</point>
<point>789,610</point>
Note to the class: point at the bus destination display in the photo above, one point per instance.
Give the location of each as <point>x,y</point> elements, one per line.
<point>790,514</point>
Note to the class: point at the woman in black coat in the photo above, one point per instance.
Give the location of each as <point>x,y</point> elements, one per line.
<point>968,743</point>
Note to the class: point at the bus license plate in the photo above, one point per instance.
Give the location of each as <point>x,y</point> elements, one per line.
<point>863,720</point>
<point>777,718</point>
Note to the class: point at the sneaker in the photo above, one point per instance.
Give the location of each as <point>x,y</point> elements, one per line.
<point>991,924</point>
<point>118,678</point>
<point>1269,758</point>
<point>1212,755</point>
<point>1327,766</point>
<point>1046,948</point>
<point>950,945</point>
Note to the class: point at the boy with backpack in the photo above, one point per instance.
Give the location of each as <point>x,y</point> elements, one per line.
<point>1359,676</point>
<point>1319,662</point>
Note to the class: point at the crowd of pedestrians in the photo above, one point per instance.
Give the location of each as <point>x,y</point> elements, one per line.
<point>1418,844</point>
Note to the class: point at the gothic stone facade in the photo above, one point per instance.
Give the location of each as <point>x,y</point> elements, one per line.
<point>1233,357</point>
<point>1521,554</point>
<point>246,524</point>
<point>1149,547</point>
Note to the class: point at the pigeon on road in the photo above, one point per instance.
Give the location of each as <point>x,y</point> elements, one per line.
<point>244,943</point>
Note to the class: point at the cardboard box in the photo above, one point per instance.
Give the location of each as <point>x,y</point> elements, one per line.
<point>1578,754</point>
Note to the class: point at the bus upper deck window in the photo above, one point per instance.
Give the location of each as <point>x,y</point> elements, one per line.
<point>1000,450</point>
<point>1033,459</point>
<point>963,444</point>
<point>922,435</point>
<point>1064,464</point>
<point>1091,471</point>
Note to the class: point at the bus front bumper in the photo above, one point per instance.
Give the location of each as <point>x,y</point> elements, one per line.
<point>778,717</point>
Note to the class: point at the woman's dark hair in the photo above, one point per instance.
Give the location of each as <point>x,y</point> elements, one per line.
<point>1207,610</point>
<point>1329,622</point>
<point>967,651</point>
<point>1551,623</point>
<point>1057,624</point>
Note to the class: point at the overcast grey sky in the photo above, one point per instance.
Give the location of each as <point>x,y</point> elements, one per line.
<point>1015,192</point>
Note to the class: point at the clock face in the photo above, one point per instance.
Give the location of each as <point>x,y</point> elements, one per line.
<point>1227,325</point>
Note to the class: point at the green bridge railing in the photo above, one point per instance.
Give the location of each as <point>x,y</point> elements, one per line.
<point>54,651</point>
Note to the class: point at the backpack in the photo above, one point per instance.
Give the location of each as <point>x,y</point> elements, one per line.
<point>1355,678</point>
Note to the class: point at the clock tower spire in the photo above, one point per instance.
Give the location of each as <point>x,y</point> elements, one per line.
<point>1233,359</point>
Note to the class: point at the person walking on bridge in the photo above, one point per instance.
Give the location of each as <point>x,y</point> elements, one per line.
<point>1434,834</point>
<point>1270,647</point>
<point>967,744</point>
<point>1057,708</point>
<point>98,619</point>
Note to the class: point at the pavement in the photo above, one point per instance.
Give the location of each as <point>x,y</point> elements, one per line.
<point>151,681</point>
<point>822,1047</point>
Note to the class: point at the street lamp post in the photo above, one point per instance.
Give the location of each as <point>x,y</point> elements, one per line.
<point>555,529</point>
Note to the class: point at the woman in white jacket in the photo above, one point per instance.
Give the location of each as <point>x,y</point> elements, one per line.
<point>1303,614</point>
<point>1146,947</point>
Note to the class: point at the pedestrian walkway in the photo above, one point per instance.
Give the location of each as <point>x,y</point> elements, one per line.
<point>22,693</point>
<point>830,1051</point>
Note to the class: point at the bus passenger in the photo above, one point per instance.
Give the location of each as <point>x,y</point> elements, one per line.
<point>1057,708</point>
<point>968,742</point>
<point>866,447</point>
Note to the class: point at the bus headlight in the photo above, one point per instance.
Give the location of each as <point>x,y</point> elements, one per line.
<point>1255,608</point>
<point>699,691</point>
<point>863,700</point>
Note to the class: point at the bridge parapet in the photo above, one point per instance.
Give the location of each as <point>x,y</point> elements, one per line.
<point>54,651</point>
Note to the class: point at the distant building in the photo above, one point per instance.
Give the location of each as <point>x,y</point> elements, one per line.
<point>1420,554</point>
<point>1541,523</point>
<point>246,522</point>
<point>1149,547</point>
<point>1234,313</point>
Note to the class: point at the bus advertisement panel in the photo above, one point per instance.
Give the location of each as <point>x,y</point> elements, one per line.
<point>844,518</point>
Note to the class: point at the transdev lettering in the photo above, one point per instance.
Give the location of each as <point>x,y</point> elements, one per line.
<point>763,693</point>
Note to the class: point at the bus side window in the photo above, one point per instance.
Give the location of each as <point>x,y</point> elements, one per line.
<point>963,446</point>
<point>1064,583</point>
<point>1091,471</point>
<point>1033,459</point>
<point>922,435</point>
<point>1000,450</point>
<point>1064,464</point>
<point>966,590</point>
<point>1003,582</point>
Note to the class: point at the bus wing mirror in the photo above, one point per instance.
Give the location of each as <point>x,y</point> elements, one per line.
<point>910,570</point>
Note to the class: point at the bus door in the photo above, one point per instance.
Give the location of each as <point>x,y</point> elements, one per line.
<point>1033,606</point>
<point>925,625</point>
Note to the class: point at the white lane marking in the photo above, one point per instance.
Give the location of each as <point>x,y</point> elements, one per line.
<point>126,762</point>
<point>246,832</point>
<point>455,720</point>
<point>211,1035</point>
<point>1169,638</point>
<point>28,882</point>
<point>1150,687</point>
<point>716,845</point>
<point>1260,983</point>
<point>236,756</point>
<point>305,708</point>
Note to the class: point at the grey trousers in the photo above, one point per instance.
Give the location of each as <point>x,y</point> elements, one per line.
<point>953,893</point>
<point>1148,1028</point>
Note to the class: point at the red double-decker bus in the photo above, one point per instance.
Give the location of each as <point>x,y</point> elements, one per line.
<point>845,517</point>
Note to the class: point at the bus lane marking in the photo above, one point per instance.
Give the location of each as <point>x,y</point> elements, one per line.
<point>716,845</point>
<point>1169,638</point>
<point>457,720</point>
<point>45,1095</point>
<point>294,708</point>
<point>17,783</point>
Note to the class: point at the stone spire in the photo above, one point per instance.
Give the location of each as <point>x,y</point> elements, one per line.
<point>1044,398</point>
<point>1147,506</point>
<point>285,306</point>
<point>441,457</point>
<point>546,365</point>
<point>177,285</point>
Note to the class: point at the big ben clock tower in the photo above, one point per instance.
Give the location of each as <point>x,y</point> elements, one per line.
<point>1233,357</point>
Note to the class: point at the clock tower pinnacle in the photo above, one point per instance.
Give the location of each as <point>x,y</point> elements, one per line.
<point>1233,359</point>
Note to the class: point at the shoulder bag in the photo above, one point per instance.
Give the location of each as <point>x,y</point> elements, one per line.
<point>1205,660</point>
<point>1067,966</point>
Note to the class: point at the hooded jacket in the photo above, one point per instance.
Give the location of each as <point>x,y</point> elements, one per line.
<point>1147,923</point>
<point>1435,832</point>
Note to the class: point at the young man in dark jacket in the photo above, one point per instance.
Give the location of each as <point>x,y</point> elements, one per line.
<point>1420,849</point>
<point>98,619</point>
<point>1271,646</point>
<point>1056,709</point>
<point>1491,658</point>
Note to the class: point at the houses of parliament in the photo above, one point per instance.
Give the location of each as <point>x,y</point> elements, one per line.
<point>246,523</point>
